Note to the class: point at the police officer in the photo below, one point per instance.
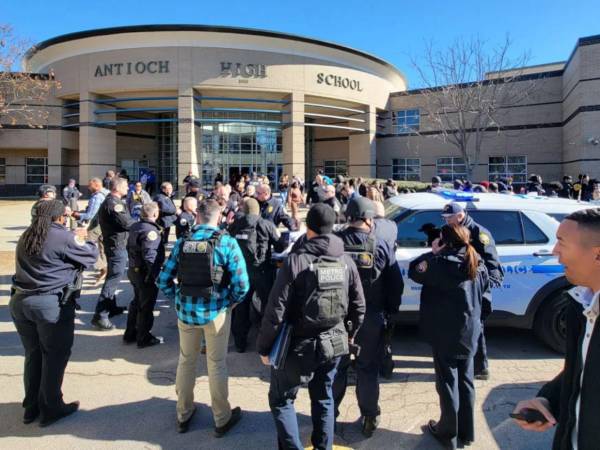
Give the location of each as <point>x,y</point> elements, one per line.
<point>454,279</point>
<point>317,291</point>
<point>145,260</point>
<point>185,221</point>
<point>484,244</point>
<point>382,284</point>
<point>168,210</point>
<point>115,221</point>
<point>48,259</point>
<point>271,208</point>
<point>256,236</point>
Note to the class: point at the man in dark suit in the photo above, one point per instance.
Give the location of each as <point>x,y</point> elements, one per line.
<point>572,400</point>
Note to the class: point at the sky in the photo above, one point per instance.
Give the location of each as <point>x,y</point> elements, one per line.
<point>397,31</point>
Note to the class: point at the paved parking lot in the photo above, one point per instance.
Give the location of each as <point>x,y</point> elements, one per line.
<point>128,395</point>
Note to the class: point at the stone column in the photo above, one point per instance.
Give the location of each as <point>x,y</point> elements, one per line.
<point>362,156</point>
<point>97,144</point>
<point>187,157</point>
<point>293,136</point>
<point>55,161</point>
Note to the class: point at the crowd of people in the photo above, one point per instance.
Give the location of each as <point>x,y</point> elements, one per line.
<point>334,295</point>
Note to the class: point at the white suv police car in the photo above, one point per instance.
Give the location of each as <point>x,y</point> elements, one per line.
<point>524,228</point>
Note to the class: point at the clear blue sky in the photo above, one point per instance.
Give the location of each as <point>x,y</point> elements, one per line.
<point>394,30</point>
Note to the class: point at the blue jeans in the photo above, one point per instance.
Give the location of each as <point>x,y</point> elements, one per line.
<point>285,383</point>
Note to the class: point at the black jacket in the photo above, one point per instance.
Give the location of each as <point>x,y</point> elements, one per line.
<point>168,210</point>
<point>562,392</point>
<point>484,244</point>
<point>450,310</point>
<point>267,237</point>
<point>272,210</point>
<point>143,248</point>
<point>184,223</point>
<point>385,295</point>
<point>337,209</point>
<point>387,230</point>
<point>61,257</point>
<point>115,221</point>
<point>291,290</point>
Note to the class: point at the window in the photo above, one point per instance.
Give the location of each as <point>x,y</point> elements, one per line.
<point>450,168</point>
<point>405,121</point>
<point>533,235</point>
<point>2,170</point>
<point>508,166</point>
<point>407,169</point>
<point>36,170</point>
<point>504,226</point>
<point>417,230</point>
<point>334,168</point>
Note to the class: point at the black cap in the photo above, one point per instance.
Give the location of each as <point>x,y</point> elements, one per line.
<point>452,208</point>
<point>360,208</point>
<point>45,189</point>
<point>320,218</point>
<point>436,179</point>
<point>194,183</point>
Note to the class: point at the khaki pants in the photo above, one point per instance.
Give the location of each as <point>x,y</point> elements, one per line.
<point>95,235</point>
<point>216,334</point>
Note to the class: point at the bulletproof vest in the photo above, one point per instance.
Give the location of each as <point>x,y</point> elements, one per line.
<point>196,271</point>
<point>363,255</point>
<point>326,305</point>
<point>247,239</point>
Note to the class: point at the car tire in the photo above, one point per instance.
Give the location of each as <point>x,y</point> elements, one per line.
<point>550,322</point>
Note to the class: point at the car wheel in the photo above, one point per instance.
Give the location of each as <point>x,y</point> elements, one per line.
<point>550,324</point>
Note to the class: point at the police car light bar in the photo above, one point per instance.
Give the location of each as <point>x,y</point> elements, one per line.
<point>458,196</point>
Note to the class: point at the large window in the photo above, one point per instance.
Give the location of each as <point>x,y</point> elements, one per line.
<point>2,170</point>
<point>450,168</point>
<point>407,169</point>
<point>405,121</point>
<point>333,168</point>
<point>508,166</point>
<point>37,170</point>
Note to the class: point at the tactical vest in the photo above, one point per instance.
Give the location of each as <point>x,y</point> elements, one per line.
<point>363,256</point>
<point>248,241</point>
<point>196,272</point>
<point>326,306</point>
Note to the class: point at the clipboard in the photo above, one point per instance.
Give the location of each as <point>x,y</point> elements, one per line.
<point>280,347</point>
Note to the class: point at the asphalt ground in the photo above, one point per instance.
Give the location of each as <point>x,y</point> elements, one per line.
<point>128,395</point>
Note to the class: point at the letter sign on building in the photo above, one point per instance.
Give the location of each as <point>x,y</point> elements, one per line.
<point>235,70</point>
<point>338,81</point>
<point>131,68</point>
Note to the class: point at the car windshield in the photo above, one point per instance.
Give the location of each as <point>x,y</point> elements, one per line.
<point>392,210</point>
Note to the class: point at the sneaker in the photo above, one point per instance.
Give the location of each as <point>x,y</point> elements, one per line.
<point>236,415</point>
<point>150,341</point>
<point>30,415</point>
<point>102,323</point>
<point>432,428</point>
<point>182,427</point>
<point>369,425</point>
<point>67,410</point>
<point>483,375</point>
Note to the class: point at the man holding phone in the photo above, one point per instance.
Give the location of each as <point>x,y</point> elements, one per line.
<point>572,400</point>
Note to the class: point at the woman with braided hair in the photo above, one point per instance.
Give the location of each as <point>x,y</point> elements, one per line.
<point>48,259</point>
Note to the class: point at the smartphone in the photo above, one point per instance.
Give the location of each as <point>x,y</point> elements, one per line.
<point>529,415</point>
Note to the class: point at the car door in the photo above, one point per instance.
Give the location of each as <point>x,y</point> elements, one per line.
<point>525,251</point>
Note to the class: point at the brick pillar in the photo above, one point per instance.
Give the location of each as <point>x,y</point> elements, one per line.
<point>362,156</point>
<point>293,136</point>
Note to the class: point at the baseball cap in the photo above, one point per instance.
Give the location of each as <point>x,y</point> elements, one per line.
<point>320,218</point>
<point>452,208</point>
<point>45,189</point>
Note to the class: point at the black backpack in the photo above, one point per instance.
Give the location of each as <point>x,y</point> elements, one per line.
<point>247,239</point>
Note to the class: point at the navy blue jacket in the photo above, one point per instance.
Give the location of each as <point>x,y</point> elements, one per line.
<point>168,210</point>
<point>386,230</point>
<point>143,247</point>
<point>62,256</point>
<point>272,210</point>
<point>385,295</point>
<point>450,314</point>
<point>115,221</point>
<point>184,223</point>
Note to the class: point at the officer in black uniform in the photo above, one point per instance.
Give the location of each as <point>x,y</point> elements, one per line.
<point>48,259</point>
<point>317,291</point>
<point>256,236</point>
<point>271,208</point>
<point>168,211</point>
<point>484,244</point>
<point>115,221</point>
<point>145,261</point>
<point>186,220</point>
<point>454,279</point>
<point>382,284</point>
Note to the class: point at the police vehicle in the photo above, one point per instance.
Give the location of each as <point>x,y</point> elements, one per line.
<point>524,228</point>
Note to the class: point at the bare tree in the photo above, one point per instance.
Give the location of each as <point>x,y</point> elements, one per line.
<point>22,94</point>
<point>467,90</point>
